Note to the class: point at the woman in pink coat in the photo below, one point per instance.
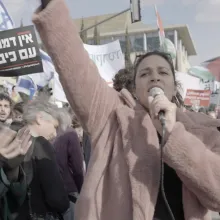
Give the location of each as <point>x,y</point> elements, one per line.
<point>123,178</point>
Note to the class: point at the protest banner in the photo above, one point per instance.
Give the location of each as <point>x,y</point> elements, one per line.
<point>108,58</point>
<point>186,81</point>
<point>19,52</point>
<point>197,98</point>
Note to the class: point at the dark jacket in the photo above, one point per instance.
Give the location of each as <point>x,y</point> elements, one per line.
<point>12,194</point>
<point>47,189</point>
<point>70,160</point>
<point>86,143</point>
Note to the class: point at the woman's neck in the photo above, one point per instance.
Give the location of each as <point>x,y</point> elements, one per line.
<point>33,131</point>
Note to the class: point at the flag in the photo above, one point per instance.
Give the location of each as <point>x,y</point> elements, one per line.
<point>42,79</point>
<point>30,84</point>
<point>5,19</point>
<point>26,85</point>
<point>58,93</point>
<point>201,72</point>
<point>160,27</point>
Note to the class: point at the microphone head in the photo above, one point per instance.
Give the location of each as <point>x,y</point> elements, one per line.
<point>155,91</point>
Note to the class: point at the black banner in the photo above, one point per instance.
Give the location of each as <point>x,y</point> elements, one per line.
<point>19,52</point>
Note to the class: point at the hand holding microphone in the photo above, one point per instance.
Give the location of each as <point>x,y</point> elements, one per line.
<point>161,109</point>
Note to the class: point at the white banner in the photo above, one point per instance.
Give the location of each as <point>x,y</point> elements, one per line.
<point>108,58</point>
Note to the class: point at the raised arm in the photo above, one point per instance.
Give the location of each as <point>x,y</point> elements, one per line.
<point>197,164</point>
<point>89,95</point>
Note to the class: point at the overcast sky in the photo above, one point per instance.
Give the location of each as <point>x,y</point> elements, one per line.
<point>202,17</point>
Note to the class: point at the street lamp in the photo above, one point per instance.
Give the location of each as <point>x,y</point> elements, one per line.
<point>135,10</point>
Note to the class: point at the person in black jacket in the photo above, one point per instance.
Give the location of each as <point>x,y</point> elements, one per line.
<point>13,187</point>
<point>44,120</point>
<point>46,193</point>
<point>86,143</point>
<point>47,120</point>
<point>70,160</point>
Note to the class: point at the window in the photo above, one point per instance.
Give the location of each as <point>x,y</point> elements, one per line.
<point>122,42</point>
<point>137,43</point>
<point>106,40</point>
<point>91,41</point>
<point>170,35</point>
<point>171,38</point>
<point>153,43</point>
<point>123,46</point>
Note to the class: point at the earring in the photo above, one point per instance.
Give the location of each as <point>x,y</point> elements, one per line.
<point>135,97</point>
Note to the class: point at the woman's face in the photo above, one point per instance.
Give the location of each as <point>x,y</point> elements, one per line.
<point>45,127</point>
<point>154,71</point>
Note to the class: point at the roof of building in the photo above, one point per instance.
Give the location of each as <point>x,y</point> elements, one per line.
<point>118,25</point>
<point>213,59</point>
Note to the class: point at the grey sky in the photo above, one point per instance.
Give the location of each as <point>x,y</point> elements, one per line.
<point>202,17</point>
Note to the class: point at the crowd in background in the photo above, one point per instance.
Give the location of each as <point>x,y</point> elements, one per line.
<point>56,165</point>
<point>59,157</point>
<point>56,130</point>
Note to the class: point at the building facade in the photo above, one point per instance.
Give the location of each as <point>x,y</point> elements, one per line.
<point>142,37</point>
<point>11,80</point>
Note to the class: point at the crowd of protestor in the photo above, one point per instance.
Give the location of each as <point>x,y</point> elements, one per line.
<point>106,154</point>
<point>56,156</point>
<point>51,170</point>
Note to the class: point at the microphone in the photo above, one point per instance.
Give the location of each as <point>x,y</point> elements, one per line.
<point>155,91</point>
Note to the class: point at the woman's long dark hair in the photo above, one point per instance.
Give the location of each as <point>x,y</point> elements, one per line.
<point>177,99</point>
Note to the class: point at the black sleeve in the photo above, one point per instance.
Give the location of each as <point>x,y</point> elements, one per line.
<point>75,156</point>
<point>44,3</point>
<point>49,176</point>
<point>86,147</point>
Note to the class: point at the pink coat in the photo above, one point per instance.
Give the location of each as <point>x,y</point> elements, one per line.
<point>122,182</point>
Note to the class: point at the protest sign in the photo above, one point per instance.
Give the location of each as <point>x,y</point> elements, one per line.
<point>108,58</point>
<point>197,98</point>
<point>186,81</point>
<point>19,52</point>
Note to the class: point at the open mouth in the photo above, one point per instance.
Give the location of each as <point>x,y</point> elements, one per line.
<point>155,86</point>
